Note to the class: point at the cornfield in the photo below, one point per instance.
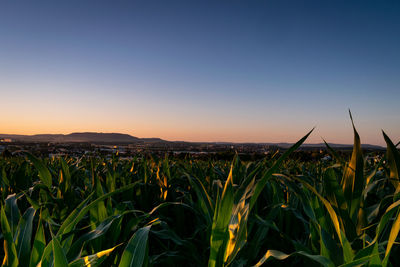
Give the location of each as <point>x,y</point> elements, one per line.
<point>152,211</point>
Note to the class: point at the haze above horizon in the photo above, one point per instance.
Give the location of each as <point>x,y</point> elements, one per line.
<point>201,71</point>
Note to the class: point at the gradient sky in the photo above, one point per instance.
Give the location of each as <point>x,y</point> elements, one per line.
<point>202,71</point>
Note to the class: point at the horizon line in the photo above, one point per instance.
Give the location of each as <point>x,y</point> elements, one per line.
<point>228,142</point>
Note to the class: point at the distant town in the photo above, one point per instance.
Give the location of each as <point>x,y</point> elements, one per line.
<point>79,144</point>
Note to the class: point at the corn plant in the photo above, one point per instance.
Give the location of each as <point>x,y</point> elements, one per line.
<point>169,211</point>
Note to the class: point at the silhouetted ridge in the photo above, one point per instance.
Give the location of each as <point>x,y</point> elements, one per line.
<point>101,137</point>
<point>89,137</point>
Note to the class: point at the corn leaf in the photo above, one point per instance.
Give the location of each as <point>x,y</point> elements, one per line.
<point>348,253</point>
<point>91,260</point>
<point>38,244</point>
<point>222,215</point>
<point>12,212</point>
<point>100,230</point>
<point>10,252</point>
<point>282,256</point>
<point>203,197</point>
<point>44,173</point>
<point>392,237</point>
<point>136,251</point>
<point>267,175</point>
<point>393,157</point>
<point>23,236</point>
<point>354,182</point>
<point>60,260</point>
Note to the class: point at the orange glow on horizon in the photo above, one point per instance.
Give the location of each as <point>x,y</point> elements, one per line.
<point>196,135</point>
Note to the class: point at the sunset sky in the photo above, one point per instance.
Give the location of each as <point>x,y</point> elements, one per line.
<point>242,71</point>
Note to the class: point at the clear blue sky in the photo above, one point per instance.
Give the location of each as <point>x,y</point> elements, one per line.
<point>202,71</point>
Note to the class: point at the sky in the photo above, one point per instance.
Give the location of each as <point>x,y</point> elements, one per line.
<point>240,71</point>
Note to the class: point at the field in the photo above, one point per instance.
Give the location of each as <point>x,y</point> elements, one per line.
<point>152,211</point>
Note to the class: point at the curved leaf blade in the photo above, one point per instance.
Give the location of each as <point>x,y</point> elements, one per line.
<point>44,173</point>
<point>135,253</point>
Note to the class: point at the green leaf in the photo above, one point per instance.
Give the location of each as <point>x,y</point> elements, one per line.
<point>335,195</point>
<point>282,256</point>
<point>136,251</point>
<point>23,236</point>
<point>333,190</point>
<point>10,252</point>
<point>73,219</point>
<point>393,158</point>
<point>72,216</point>
<point>385,219</point>
<point>372,252</point>
<point>348,253</point>
<point>359,262</point>
<point>59,258</point>
<point>66,174</point>
<point>354,182</point>
<point>12,212</point>
<point>80,214</point>
<point>47,255</point>
<point>166,167</point>
<point>222,215</point>
<point>238,225</point>
<point>203,197</point>
<point>263,181</point>
<point>77,246</point>
<point>99,212</point>
<point>44,173</point>
<point>392,237</point>
<point>38,244</point>
<point>91,260</point>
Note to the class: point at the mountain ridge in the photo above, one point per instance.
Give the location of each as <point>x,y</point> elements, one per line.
<point>76,137</point>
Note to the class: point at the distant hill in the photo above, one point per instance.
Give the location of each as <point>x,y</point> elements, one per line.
<point>89,137</point>
<point>102,137</point>
<point>154,139</point>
